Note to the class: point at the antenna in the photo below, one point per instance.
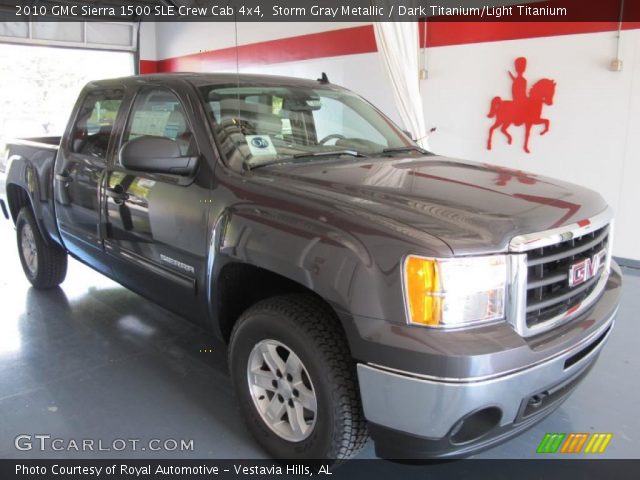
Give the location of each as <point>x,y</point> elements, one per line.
<point>235,26</point>
<point>324,78</point>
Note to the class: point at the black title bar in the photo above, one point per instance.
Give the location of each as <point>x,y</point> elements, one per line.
<point>322,10</point>
<point>120,469</point>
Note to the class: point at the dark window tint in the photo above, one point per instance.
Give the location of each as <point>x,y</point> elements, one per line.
<point>94,124</point>
<point>159,113</point>
<point>261,124</point>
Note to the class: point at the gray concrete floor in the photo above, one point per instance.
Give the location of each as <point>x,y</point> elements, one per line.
<point>91,360</point>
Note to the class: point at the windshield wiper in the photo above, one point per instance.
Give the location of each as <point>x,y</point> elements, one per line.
<point>353,153</point>
<point>249,166</point>
<point>405,149</point>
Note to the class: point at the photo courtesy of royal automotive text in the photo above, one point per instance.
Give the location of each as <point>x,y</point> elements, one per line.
<point>342,239</point>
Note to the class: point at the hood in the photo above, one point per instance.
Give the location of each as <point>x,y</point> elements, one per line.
<point>472,207</point>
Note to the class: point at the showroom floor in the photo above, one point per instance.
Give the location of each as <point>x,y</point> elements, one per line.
<point>93,360</point>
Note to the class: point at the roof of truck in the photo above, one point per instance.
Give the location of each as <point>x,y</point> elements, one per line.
<point>199,79</point>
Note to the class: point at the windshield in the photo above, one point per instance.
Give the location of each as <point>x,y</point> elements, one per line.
<point>260,125</point>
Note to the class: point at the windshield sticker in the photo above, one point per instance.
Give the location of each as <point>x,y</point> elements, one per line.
<point>261,146</point>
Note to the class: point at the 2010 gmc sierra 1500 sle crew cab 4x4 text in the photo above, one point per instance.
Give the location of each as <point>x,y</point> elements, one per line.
<point>365,287</point>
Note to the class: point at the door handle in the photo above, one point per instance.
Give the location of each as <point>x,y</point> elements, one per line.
<point>118,194</point>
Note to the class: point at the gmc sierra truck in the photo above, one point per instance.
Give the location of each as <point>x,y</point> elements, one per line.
<point>365,287</point>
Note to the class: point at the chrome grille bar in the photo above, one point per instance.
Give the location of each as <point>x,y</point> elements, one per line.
<point>540,297</point>
<point>570,252</point>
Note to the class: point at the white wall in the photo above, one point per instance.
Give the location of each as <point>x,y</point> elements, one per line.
<point>594,138</point>
<point>175,39</point>
<point>628,231</point>
<point>148,41</point>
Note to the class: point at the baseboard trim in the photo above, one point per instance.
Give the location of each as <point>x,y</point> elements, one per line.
<point>627,262</point>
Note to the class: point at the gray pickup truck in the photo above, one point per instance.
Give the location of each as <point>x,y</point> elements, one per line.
<point>365,287</point>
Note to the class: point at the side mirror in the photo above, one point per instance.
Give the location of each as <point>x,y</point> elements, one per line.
<point>156,155</point>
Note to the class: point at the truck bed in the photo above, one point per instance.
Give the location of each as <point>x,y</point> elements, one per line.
<point>37,142</point>
<point>36,154</point>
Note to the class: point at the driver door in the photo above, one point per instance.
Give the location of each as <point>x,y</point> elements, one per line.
<point>156,223</point>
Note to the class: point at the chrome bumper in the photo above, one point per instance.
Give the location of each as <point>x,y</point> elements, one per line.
<point>432,408</point>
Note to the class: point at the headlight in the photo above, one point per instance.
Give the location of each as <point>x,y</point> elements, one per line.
<point>452,292</point>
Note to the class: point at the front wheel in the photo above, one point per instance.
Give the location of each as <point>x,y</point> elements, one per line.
<point>45,266</point>
<point>296,381</point>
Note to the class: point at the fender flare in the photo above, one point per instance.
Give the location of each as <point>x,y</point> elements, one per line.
<point>326,261</point>
<point>21,174</point>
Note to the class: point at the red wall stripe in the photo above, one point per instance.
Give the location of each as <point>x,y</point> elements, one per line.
<point>442,34</point>
<point>333,43</point>
<point>148,66</point>
<point>361,39</point>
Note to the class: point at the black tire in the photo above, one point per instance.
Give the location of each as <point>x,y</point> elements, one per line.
<point>50,266</point>
<point>311,330</point>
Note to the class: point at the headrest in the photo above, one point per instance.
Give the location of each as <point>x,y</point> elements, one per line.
<point>177,121</point>
<point>258,117</point>
<point>233,107</point>
<point>267,124</point>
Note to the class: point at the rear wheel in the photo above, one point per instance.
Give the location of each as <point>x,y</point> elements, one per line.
<point>296,381</point>
<point>45,266</point>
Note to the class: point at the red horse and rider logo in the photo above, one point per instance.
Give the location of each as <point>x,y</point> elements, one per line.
<point>523,109</point>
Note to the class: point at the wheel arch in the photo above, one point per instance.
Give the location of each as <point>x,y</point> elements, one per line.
<point>262,250</point>
<point>17,198</point>
<point>23,189</point>
<point>241,285</point>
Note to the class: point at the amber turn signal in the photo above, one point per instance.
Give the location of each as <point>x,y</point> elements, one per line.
<point>422,283</point>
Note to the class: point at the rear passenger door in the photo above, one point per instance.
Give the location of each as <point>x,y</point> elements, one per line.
<point>80,166</point>
<point>156,224</point>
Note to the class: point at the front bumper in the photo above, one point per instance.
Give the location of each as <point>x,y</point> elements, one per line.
<point>421,416</point>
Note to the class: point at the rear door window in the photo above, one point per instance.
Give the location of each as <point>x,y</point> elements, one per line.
<point>94,124</point>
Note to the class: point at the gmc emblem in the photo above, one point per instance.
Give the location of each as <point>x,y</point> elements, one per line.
<point>587,268</point>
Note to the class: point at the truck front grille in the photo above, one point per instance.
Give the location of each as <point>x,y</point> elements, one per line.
<point>549,293</point>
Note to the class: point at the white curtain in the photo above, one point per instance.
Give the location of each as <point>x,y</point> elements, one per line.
<point>398,44</point>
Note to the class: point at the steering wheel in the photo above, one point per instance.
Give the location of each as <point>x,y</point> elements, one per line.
<point>331,137</point>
